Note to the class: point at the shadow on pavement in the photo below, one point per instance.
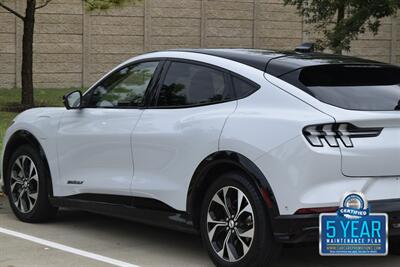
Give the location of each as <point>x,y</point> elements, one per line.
<point>115,235</point>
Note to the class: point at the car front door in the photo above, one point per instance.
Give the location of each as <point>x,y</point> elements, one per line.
<point>180,130</point>
<point>94,142</point>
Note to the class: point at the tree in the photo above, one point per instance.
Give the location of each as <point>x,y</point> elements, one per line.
<point>28,20</point>
<point>341,21</point>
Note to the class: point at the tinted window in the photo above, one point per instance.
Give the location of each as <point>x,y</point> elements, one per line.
<point>189,84</point>
<point>243,88</point>
<point>355,87</point>
<point>125,87</point>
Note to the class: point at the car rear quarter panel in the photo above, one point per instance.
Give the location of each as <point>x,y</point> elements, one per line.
<point>267,128</point>
<point>267,119</point>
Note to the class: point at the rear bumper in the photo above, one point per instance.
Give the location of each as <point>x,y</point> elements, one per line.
<point>305,228</point>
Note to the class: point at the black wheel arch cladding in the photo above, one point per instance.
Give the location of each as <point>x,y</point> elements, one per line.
<point>218,163</point>
<point>18,139</point>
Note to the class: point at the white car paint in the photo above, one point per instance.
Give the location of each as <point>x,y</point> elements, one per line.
<point>163,145</point>
<point>154,152</point>
<point>374,159</point>
<point>94,146</point>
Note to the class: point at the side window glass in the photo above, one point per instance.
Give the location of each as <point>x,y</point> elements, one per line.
<point>243,88</point>
<point>125,87</point>
<point>190,84</point>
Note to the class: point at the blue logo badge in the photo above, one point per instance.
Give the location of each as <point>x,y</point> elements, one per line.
<point>353,230</point>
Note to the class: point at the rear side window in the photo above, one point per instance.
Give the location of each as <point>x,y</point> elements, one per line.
<point>243,88</point>
<point>354,87</point>
<point>187,84</point>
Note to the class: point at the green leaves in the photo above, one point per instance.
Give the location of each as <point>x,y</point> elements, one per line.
<point>341,21</point>
<point>106,4</point>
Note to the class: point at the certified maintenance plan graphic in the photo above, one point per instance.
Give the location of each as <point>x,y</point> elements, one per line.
<point>353,231</point>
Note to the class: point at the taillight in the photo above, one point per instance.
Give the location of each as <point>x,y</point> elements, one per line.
<point>331,133</point>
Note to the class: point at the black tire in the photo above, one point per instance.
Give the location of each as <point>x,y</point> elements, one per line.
<point>263,248</point>
<point>41,210</point>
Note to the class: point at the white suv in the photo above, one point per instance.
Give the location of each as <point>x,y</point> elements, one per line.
<point>246,147</point>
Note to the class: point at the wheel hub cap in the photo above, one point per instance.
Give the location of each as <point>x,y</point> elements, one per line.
<point>24,184</point>
<point>230,224</point>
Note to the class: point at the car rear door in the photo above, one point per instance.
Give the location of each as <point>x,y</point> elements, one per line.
<point>94,143</point>
<point>179,130</point>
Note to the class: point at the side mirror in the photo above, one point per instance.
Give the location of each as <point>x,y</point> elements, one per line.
<point>73,100</point>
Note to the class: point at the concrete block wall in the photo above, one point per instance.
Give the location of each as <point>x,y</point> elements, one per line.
<point>74,47</point>
<point>229,23</point>
<point>58,45</point>
<point>111,37</point>
<point>376,47</point>
<point>396,41</point>
<point>277,26</point>
<point>173,24</point>
<point>7,48</point>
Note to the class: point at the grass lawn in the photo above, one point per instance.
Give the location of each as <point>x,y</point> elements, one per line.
<point>43,97</point>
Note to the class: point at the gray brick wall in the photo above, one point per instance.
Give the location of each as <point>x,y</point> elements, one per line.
<point>74,47</point>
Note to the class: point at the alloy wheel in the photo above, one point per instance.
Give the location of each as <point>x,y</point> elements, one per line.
<point>230,224</point>
<point>24,184</point>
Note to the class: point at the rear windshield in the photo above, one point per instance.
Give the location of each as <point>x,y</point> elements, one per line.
<point>355,87</point>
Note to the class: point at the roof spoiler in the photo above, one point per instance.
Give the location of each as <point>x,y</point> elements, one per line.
<point>305,48</point>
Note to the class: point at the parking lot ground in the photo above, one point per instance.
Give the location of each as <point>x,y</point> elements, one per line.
<point>17,252</point>
<point>136,244</point>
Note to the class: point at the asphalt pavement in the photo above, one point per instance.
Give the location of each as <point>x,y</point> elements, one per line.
<point>81,239</point>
